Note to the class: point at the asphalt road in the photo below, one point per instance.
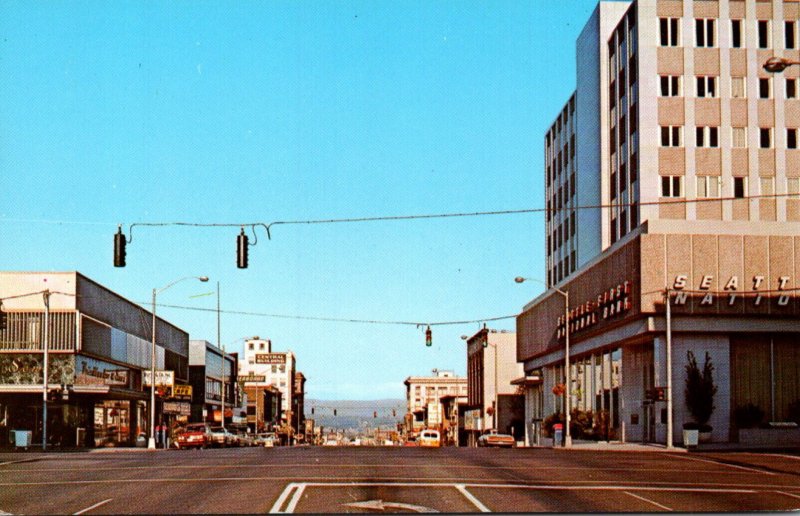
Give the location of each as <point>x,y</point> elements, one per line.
<point>354,479</point>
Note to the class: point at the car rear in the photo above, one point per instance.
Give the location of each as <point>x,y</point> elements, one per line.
<point>429,439</point>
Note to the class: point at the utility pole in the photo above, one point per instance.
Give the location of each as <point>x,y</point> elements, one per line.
<point>222,348</point>
<point>45,369</point>
<point>669,370</point>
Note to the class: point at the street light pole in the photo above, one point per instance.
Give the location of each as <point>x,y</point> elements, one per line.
<point>45,368</point>
<point>779,64</point>
<point>669,369</point>
<point>151,442</point>
<point>567,376</point>
<point>222,348</point>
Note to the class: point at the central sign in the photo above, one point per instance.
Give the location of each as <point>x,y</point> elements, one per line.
<point>270,358</point>
<point>163,378</point>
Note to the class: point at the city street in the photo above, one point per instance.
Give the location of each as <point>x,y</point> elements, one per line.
<point>353,479</point>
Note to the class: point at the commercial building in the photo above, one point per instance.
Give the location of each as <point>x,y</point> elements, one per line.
<point>207,378</point>
<point>493,402</point>
<point>673,167</point>
<point>98,347</point>
<point>423,398</point>
<point>261,367</point>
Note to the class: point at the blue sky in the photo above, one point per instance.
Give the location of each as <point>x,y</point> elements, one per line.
<point>207,112</point>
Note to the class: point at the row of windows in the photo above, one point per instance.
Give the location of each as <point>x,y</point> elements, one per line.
<point>706,86</point>
<point>562,234</point>
<point>710,187</point>
<point>622,218</point>
<point>671,136</point>
<point>705,33</point>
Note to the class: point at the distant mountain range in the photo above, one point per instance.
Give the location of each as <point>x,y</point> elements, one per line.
<point>356,414</point>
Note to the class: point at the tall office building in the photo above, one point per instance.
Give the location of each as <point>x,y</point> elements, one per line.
<point>673,165</point>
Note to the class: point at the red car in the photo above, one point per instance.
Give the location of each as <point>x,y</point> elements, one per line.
<point>195,435</point>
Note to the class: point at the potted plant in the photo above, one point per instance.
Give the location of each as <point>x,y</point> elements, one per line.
<point>699,397</point>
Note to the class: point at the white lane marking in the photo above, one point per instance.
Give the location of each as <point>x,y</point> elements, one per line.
<point>788,494</point>
<point>642,498</point>
<point>745,468</point>
<point>380,505</point>
<point>469,496</point>
<point>276,508</point>
<point>95,506</point>
<point>296,498</point>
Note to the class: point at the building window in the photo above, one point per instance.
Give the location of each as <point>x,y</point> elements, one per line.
<point>708,187</point>
<point>669,35</point>
<point>708,137</point>
<point>704,32</point>
<point>738,87</point>
<point>791,138</point>
<point>739,137</point>
<point>251,346</point>
<point>706,86</point>
<point>793,187</point>
<point>671,136</point>
<point>274,368</point>
<point>763,34</point>
<point>765,138</point>
<point>261,346</point>
<point>670,86</point>
<point>671,186</point>
<point>790,37</point>
<point>737,36</point>
<point>739,187</point>
<point>764,88</point>
<point>791,88</point>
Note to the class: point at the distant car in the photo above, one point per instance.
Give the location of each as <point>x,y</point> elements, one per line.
<point>220,437</point>
<point>492,438</point>
<point>430,439</point>
<point>330,442</point>
<point>195,435</point>
<point>267,440</point>
<point>411,441</point>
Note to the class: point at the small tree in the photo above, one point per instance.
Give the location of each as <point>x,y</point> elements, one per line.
<point>700,390</point>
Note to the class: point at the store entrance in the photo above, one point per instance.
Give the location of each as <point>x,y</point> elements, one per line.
<point>112,423</point>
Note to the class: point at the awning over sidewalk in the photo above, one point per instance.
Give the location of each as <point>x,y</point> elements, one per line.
<point>527,380</point>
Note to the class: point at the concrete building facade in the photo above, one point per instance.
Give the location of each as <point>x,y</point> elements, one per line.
<point>272,368</point>
<point>206,376</point>
<point>423,398</point>
<point>688,150</point>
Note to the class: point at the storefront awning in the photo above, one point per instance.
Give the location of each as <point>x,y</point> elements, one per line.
<point>527,380</point>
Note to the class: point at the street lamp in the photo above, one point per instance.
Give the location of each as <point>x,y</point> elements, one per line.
<point>151,442</point>
<point>567,394</point>
<point>778,64</point>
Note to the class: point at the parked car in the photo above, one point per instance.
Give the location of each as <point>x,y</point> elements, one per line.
<point>195,435</point>
<point>411,441</point>
<point>430,439</point>
<point>492,438</point>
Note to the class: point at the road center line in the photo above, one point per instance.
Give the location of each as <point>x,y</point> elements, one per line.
<point>642,498</point>
<point>745,468</point>
<point>95,506</point>
<point>469,496</point>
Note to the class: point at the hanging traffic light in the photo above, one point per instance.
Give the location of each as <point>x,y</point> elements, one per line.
<point>241,250</point>
<point>428,336</point>
<point>374,414</point>
<point>334,412</point>
<point>394,413</point>
<point>312,411</point>
<point>119,248</point>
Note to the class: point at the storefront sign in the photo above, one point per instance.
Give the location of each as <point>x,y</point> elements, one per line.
<point>252,378</point>
<point>731,291</point>
<point>95,372</point>
<point>607,305</point>
<point>181,408</point>
<point>270,358</point>
<point>26,369</point>
<point>182,392</point>
<point>163,378</point>
<point>473,420</point>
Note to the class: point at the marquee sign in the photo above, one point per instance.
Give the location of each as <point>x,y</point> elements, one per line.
<point>163,378</point>
<point>607,305</point>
